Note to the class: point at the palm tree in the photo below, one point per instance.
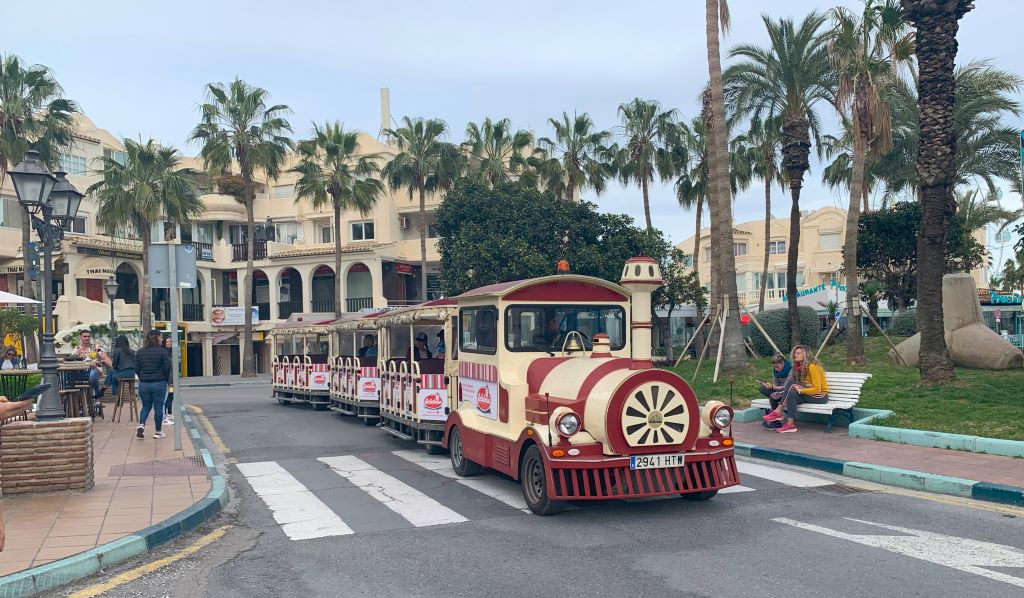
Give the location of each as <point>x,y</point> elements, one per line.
<point>332,171</point>
<point>978,212</point>
<point>788,78</point>
<point>866,50</point>
<point>147,187</point>
<point>33,115</point>
<point>238,126</point>
<point>424,162</point>
<point>646,153</point>
<point>573,161</point>
<point>936,46</point>
<point>496,153</point>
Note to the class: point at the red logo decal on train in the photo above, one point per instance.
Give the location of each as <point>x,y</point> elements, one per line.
<point>433,401</point>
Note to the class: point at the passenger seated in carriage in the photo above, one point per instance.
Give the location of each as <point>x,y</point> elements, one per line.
<point>420,350</point>
<point>369,348</point>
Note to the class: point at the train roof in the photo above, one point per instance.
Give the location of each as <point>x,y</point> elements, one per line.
<point>436,311</point>
<point>558,287</point>
<point>303,327</point>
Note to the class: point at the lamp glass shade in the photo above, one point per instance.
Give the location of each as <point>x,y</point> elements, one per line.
<point>64,199</point>
<point>32,180</point>
<point>111,288</point>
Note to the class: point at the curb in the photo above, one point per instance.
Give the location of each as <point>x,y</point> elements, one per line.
<point>69,569</point>
<point>902,478</point>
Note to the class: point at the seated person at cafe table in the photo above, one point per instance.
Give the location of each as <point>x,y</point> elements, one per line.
<point>87,350</point>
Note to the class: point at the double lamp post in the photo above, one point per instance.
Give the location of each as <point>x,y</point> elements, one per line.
<point>53,202</point>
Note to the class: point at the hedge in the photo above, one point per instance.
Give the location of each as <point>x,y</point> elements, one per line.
<point>776,324</point>
<point>904,324</point>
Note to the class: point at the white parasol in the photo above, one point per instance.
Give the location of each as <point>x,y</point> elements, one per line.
<point>6,297</point>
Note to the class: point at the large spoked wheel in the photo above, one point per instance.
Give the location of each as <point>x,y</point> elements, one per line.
<point>700,496</point>
<point>533,478</point>
<point>462,466</point>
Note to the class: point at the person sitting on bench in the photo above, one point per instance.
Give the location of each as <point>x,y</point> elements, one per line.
<point>780,373</point>
<point>806,385</point>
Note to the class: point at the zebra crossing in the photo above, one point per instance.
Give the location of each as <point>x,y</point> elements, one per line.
<point>351,494</point>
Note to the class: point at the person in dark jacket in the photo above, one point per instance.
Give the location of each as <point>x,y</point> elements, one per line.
<point>169,403</point>
<point>122,359</point>
<point>153,365</point>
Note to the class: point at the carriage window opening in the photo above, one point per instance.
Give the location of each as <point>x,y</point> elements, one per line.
<point>478,329</point>
<point>544,327</point>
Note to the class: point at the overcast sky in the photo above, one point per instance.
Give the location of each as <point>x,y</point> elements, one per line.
<point>138,68</point>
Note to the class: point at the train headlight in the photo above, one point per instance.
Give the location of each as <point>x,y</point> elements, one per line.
<point>721,417</point>
<point>568,424</point>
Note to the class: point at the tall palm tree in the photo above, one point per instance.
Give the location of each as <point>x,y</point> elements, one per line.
<point>147,187</point>
<point>496,153</point>
<point>978,211</point>
<point>936,26</point>
<point>866,51</point>
<point>33,115</point>
<point>574,160</point>
<point>788,78</point>
<point>424,162</point>
<point>238,126</point>
<point>332,171</point>
<point>646,151</point>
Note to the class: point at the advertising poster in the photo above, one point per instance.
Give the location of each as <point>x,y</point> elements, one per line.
<point>318,378</point>
<point>482,394</point>
<point>431,403</point>
<point>368,389</point>
<point>232,316</point>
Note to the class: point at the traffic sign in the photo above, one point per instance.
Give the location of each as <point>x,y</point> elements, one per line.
<point>160,266</point>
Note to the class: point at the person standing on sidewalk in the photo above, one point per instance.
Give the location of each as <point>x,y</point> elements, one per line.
<point>169,403</point>
<point>154,370</point>
<point>806,385</point>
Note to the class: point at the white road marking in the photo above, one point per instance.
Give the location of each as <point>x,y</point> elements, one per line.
<point>783,476</point>
<point>301,514</point>
<point>962,554</point>
<point>417,508</point>
<point>735,489</point>
<point>502,490</point>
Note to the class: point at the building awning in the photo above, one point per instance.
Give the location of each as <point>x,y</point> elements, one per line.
<point>227,338</point>
<point>95,268</point>
<point>13,266</point>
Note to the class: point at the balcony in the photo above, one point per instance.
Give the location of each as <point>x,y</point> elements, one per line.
<point>240,251</point>
<point>323,305</point>
<point>358,303</point>
<point>264,311</point>
<point>286,308</point>
<point>192,312</point>
<point>204,251</point>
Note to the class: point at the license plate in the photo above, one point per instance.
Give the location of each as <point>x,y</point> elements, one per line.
<point>655,461</point>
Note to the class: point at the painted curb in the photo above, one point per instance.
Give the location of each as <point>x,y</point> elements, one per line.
<point>791,458</point>
<point>66,570</point>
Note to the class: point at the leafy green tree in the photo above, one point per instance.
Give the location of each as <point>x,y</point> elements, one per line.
<point>148,187</point>
<point>238,126</point>
<point>424,162</point>
<point>332,171</point>
<point>573,161</point>
<point>646,129</point>
<point>497,154</point>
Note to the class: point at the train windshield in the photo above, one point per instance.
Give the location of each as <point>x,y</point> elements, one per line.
<point>544,327</point>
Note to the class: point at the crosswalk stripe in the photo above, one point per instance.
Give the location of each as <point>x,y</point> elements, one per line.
<point>417,508</point>
<point>735,489</point>
<point>782,476</point>
<point>505,491</point>
<point>301,515</point>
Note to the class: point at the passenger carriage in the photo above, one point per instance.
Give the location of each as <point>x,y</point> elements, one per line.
<point>300,368</point>
<point>355,378</point>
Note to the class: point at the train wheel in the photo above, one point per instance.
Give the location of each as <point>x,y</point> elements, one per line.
<point>433,449</point>
<point>533,478</point>
<point>700,496</point>
<point>462,466</point>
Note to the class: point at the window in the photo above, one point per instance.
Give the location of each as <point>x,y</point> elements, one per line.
<point>288,232</point>
<point>776,248</point>
<point>478,329</point>
<point>236,233</point>
<point>73,164</point>
<point>828,241</point>
<point>432,231</point>
<point>1003,236</point>
<point>687,261</point>
<point>545,327</point>
<point>741,282</point>
<point>115,155</point>
<point>706,250</point>
<point>362,231</point>
<point>76,226</point>
<point>739,249</point>
<point>204,232</point>
<point>11,212</point>
<point>325,234</point>
<point>282,191</point>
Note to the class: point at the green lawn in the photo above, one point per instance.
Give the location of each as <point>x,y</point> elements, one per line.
<point>980,403</point>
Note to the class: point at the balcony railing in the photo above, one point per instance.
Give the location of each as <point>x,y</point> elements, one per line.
<point>286,308</point>
<point>204,251</point>
<point>358,303</point>
<point>192,312</point>
<point>240,251</point>
<point>323,305</point>
<point>264,311</point>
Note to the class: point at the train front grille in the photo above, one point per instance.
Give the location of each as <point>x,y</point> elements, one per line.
<point>623,482</point>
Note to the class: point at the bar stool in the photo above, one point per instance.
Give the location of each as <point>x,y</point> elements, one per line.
<point>126,395</point>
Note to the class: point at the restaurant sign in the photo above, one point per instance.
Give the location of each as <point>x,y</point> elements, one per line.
<point>994,298</point>
<point>109,252</point>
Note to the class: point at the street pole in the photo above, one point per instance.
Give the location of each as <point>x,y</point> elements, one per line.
<point>50,406</point>
<point>172,273</point>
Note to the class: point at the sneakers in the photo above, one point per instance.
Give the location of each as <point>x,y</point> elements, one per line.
<point>162,435</point>
<point>786,428</point>
<point>772,416</point>
<point>168,421</point>
<point>140,432</point>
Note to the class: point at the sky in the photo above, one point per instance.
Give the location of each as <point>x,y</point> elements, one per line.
<point>138,69</point>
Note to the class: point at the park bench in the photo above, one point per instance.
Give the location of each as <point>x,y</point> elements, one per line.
<point>843,394</point>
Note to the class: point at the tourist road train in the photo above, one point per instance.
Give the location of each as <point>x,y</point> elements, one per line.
<point>547,380</point>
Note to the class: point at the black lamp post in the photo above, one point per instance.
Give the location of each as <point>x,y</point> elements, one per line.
<point>111,288</point>
<point>57,201</point>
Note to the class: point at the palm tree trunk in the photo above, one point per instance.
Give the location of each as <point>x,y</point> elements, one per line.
<point>696,238</point>
<point>767,238</point>
<point>936,49</point>
<point>245,343</point>
<point>734,354</point>
<point>867,207</point>
<point>146,297</point>
<point>423,244</point>
<point>647,202</point>
<point>570,187</point>
<point>337,259</point>
<point>854,340</point>
<point>796,150</point>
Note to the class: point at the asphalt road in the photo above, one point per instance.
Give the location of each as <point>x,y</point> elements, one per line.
<point>793,533</point>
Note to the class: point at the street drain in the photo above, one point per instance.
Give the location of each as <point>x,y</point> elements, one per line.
<point>184,466</point>
<point>841,489</point>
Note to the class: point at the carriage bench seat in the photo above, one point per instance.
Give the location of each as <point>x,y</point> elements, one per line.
<point>843,394</point>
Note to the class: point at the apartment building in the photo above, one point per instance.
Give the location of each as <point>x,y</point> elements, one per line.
<point>294,273</point>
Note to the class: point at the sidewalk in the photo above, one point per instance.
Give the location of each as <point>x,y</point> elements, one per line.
<point>138,483</point>
<point>811,440</point>
<point>227,380</point>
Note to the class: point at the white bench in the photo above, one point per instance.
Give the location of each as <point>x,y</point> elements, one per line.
<point>843,394</point>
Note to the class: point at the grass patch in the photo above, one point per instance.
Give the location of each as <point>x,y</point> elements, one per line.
<point>980,403</point>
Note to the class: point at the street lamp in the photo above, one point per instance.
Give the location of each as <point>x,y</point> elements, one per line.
<point>111,288</point>
<point>57,201</point>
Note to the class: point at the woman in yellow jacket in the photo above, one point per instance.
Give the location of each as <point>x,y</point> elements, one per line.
<point>806,385</point>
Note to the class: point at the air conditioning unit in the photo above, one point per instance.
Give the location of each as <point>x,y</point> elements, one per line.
<point>403,222</point>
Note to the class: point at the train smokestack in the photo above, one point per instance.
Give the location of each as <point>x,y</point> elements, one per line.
<point>642,276</point>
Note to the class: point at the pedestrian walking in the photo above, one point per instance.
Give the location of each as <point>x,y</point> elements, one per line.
<point>154,370</point>
<point>806,385</point>
<point>169,403</point>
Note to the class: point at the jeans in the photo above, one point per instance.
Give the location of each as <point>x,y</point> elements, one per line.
<point>769,391</point>
<point>94,381</point>
<point>152,395</point>
<point>169,404</point>
<point>791,398</point>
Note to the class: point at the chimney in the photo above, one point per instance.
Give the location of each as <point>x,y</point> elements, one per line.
<point>385,109</point>
<point>641,276</point>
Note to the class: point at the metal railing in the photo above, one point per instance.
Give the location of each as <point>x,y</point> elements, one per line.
<point>286,308</point>
<point>204,251</point>
<point>192,312</point>
<point>240,251</point>
<point>323,305</point>
<point>358,303</point>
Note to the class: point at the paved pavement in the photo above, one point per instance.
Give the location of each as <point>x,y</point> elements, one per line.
<point>325,506</point>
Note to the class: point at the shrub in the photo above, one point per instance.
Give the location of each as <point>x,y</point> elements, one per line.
<point>904,324</point>
<point>776,323</point>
